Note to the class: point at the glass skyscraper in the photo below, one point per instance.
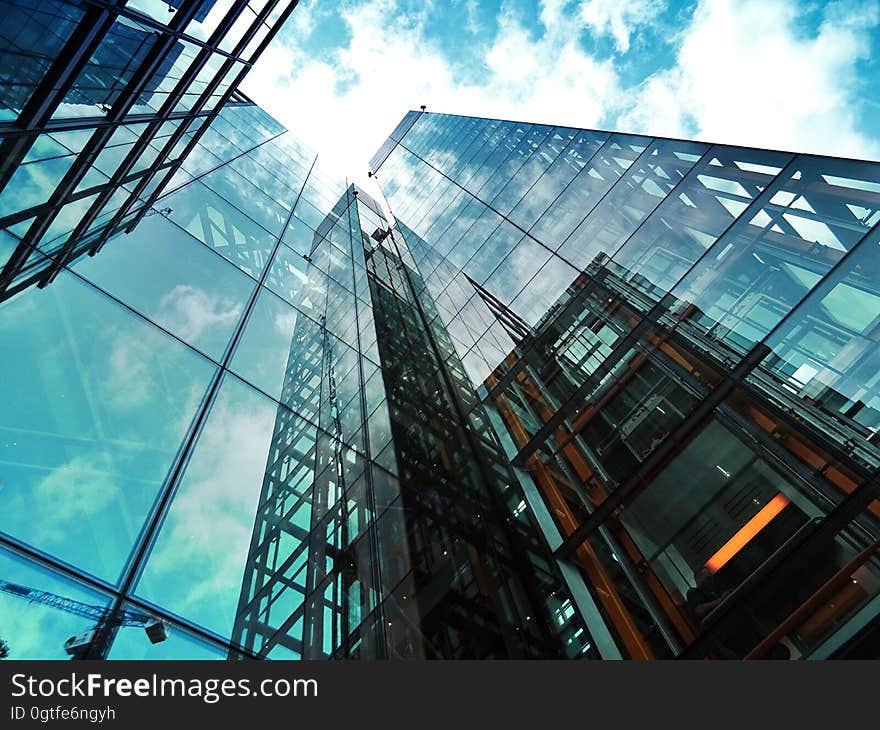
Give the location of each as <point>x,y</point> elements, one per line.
<point>562,394</point>
<point>677,344</point>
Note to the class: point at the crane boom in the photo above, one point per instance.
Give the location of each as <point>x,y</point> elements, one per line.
<point>91,644</point>
<point>95,613</point>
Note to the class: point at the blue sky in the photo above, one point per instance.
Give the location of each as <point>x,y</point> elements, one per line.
<point>788,74</point>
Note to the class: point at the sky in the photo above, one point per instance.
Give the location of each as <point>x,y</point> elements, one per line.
<point>783,74</point>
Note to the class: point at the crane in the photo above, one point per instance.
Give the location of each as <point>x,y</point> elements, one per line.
<point>82,645</point>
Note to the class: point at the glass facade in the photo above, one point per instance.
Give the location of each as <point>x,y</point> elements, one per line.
<point>100,103</point>
<point>241,420</point>
<point>563,394</point>
<point>677,345</point>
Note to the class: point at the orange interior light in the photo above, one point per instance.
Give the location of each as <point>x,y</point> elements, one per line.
<point>747,532</point>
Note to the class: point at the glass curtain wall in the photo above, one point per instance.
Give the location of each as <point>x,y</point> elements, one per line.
<point>586,394</point>
<point>200,417</point>
<point>679,341</point>
<point>185,410</point>
<point>466,571</point>
<point>99,105</point>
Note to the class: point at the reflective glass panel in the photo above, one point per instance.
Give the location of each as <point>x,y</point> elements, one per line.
<point>96,404</point>
<point>198,563</point>
<point>174,280</point>
<point>34,628</point>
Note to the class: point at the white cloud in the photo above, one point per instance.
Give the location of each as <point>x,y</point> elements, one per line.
<point>549,79</point>
<point>285,322</point>
<point>67,498</point>
<point>473,24</point>
<point>304,18</point>
<point>346,104</point>
<point>191,312</point>
<point>129,380</point>
<point>617,18</point>
<point>746,75</point>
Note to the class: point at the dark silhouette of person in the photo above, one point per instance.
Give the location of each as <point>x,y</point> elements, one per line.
<point>704,598</point>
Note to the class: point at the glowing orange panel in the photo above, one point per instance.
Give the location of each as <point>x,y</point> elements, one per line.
<point>747,532</point>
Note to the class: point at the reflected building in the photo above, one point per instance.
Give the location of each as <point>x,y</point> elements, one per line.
<point>563,394</point>
<point>310,579</point>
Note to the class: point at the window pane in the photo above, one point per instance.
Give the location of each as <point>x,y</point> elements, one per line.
<point>34,181</point>
<point>281,352</point>
<point>111,67</point>
<point>231,186</point>
<point>685,225</point>
<point>635,196</point>
<point>174,280</point>
<point>593,180</point>
<point>31,36</point>
<point>773,256</point>
<point>34,630</point>
<point>824,360</point>
<point>517,269</point>
<point>208,17</point>
<point>300,283</point>
<point>222,226</point>
<point>197,565</point>
<point>96,404</point>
